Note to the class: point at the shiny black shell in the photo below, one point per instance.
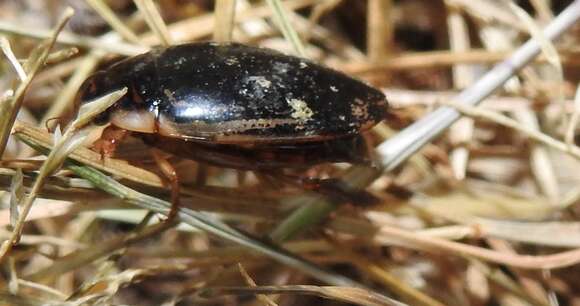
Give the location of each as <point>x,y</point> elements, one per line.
<point>228,93</point>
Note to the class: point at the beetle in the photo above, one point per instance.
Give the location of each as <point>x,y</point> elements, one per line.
<point>236,106</point>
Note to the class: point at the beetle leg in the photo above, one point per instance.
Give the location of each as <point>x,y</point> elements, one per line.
<point>340,191</point>
<point>334,188</point>
<point>169,172</point>
<point>110,137</point>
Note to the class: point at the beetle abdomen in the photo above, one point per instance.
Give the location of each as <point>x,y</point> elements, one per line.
<point>232,93</point>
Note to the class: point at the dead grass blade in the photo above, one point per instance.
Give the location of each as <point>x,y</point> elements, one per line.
<point>224,20</point>
<point>16,196</point>
<point>72,138</point>
<point>553,261</point>
<point>390,281</point>
<point>68,38</point>
<point>61,55</point>
<point>281,18</point>
<point>9,109</point>
<point>154,20</point>
<point>66,95</point>
<point>553,234</point>
<point>547,46</point>
<point>574,118</point>
<point>357,296</point>
<point>87,255</point>
<point>380,30</point>
<point>86,156</point>
<point>477,112</point>
<point>5,46</point>
<point>209,224</point>
<point>266,300</point>
<point>105,11</point>
<point>201,26</point>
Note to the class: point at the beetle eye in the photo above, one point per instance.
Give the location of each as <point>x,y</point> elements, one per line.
<point>91,88</point>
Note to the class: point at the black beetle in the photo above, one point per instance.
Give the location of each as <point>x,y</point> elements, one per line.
<point>237,106</point>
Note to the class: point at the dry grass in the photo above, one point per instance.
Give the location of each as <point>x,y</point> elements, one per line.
<point>484,214</point>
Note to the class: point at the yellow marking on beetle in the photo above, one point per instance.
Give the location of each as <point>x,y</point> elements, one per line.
<point>198,128</point>
<point>301,111</point>
<point>359,109</point>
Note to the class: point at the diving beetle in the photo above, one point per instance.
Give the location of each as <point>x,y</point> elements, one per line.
<point>236,106</point>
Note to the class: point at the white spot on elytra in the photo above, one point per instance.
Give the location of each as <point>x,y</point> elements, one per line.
<point>333,88</point>
<point>260,80</point>
<point>280,68</point>
<point>231,61</point>
<point>169,95</point>
<point>180,61</point>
